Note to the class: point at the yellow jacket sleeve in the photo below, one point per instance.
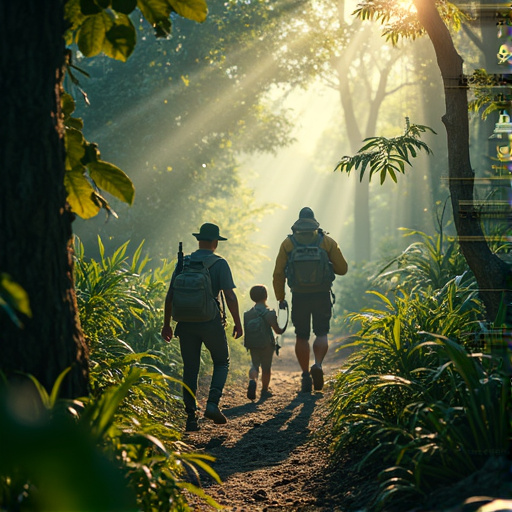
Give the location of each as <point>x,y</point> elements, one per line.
<point>339,264</point>
<point>279,277</point>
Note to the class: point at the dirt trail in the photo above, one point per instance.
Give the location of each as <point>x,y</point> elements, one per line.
<point>269,455</point>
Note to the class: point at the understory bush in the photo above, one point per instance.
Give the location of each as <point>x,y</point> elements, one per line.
<point>413,395</point>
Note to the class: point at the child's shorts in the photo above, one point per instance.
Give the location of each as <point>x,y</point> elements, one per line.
<point>262,357</point>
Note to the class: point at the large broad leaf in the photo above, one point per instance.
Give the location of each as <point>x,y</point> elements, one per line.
<point>124,6</point>
<point>157,13</point>
<point>195,10</point>
<point>110,178</point>
<point>75,149</point>
<point>120,39</point>
<point>92,34</point>
<point>80,194</point>
<point>89,7</point>
<point>74,17</point>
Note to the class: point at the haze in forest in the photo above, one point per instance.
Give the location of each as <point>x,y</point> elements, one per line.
<point>273,185</point>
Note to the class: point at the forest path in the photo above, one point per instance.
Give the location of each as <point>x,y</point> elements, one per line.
<point>272,455</point>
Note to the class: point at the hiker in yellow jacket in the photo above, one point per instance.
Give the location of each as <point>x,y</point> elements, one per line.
<point>308,260</point>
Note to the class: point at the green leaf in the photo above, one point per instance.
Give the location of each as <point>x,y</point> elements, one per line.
<point>195,10</point>
<point>80,193</point>
<point>112,179</point>
<point>67,104</point>
<point>120,39</point>
<point>157,13</point>
<point>89,7</point>
<point>15,295</point>
<point>92,33</point>
<point>124,6</point>
<point>75,149</point>
<point>56,387</point>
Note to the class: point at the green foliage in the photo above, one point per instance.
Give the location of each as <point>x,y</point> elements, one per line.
<point>108,451</point>
<point>386,156</point>
<point>86,173</point>
<point>13,299</point>
<point>400,20</point>
<point>427,411</point>
<point>105,26</point>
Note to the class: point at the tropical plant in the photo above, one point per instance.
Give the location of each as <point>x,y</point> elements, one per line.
<point>428,411</point>
<point>93,453</point>
<point>386,156</point>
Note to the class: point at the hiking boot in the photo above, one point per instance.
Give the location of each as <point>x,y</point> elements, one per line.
<point>266,393</point>
<point>251,390</point>
<point>318,377</point>
<point>191,425</point>
<point>212,412</point>
<point>306,383</point>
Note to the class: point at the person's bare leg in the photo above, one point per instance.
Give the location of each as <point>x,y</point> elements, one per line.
<point>265,379</point>
<point>253,373</point>
<point>320,348</point>
<point>302,353</point>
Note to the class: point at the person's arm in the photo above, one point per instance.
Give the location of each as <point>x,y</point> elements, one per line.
<point>273,323</point>
<point>339,264</point>
<point>167,329</point>
<point>232,304</point>
<point>279,276</point>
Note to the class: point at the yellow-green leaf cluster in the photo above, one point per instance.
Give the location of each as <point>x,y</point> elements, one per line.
<point>86,173</point>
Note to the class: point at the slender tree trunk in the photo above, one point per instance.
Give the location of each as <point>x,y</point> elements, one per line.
<point>492,274</point>
<point>35,221</point>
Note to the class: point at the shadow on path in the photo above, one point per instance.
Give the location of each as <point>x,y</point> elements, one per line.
<point>265,444</point>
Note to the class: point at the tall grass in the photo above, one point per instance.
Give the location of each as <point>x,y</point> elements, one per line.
<point>422,407</point>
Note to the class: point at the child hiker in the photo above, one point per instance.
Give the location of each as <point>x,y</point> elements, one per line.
<point>259,339</point>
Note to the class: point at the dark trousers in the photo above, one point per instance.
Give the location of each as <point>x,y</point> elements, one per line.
<point>192,335</point>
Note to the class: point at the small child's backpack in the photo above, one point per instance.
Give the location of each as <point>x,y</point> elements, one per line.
<point>257,331</point>
<point>193,299</point>
<point>308,268</point>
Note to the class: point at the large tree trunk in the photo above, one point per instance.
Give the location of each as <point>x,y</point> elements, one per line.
<point>490,271</point>
<point>35,221</point>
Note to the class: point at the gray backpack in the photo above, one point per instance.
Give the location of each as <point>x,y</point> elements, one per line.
<point>257,331</point>
<point>308,268</point>
<point>193,299</point>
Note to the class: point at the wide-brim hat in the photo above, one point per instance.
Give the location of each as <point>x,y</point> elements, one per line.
<point>209,232</point>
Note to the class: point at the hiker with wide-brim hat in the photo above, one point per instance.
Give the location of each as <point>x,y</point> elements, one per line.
<point>193,334</point>
<point>308,261</point>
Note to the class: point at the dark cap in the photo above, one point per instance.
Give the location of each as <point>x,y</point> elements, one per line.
<point>306,213</point>
<point>306,221</point>
<point>209,232</point>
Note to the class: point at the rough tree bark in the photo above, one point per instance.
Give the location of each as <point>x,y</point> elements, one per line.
<point>35,221</point>
<point>492,274</point>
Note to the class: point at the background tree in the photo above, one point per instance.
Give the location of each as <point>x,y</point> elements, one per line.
<point>492,273</point>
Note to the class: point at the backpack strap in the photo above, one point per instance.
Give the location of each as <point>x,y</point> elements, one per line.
<point>208,262</point>
<point>318,241</point>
